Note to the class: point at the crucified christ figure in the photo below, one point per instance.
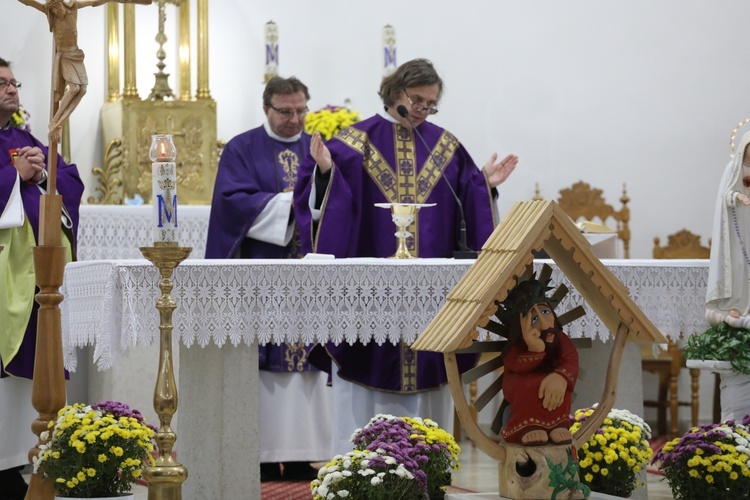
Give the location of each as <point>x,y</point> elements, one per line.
<point>69,80</point>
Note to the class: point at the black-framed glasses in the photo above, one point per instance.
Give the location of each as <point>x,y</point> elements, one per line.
<point>4,84</point>
<point>288,113</point>
<point>420,106</point>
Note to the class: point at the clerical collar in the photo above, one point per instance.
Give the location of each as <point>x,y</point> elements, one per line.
<point>277,137</point>
<point>385,114</point>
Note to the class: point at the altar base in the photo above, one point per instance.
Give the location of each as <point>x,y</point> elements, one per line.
<point>219,428</point>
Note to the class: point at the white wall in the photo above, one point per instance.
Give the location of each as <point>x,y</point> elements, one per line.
<point>639,92</point>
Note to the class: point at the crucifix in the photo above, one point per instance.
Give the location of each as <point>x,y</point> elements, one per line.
<point>69,83</point>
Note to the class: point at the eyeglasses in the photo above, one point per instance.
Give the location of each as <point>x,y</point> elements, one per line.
<point>420,106</point>
<point>4,84</point>
<point>288,113</point>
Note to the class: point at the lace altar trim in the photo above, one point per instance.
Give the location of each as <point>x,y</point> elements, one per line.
<point>112,304</point>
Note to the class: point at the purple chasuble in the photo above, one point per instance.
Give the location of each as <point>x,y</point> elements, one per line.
<point>69,184</point>
<point>378,161</point>
<point>254,167</point>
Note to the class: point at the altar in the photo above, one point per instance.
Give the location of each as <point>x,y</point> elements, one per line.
<point>225,308</point>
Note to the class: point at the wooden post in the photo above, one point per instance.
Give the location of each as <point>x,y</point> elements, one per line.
<point>48,386</point>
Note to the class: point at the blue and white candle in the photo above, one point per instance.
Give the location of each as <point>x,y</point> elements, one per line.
<point>389,50</point>
<point>272,50</point>
<point>164,188</point>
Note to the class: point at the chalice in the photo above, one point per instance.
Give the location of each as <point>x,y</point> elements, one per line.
<point>403,215</point>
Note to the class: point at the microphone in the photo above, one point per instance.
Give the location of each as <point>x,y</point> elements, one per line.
<point>463,252</point>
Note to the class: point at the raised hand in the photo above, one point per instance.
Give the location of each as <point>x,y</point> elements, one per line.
<point>498,172</point>
<point>320,152</point>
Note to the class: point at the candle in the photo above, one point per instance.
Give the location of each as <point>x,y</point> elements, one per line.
<point>389,50</point>
<point>164,188</point>
<point>272,51</point>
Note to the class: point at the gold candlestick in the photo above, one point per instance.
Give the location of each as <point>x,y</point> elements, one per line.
<point>166,476</point>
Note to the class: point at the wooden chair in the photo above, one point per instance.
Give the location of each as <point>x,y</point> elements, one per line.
<point>680,245</point>
<point>580,201</point>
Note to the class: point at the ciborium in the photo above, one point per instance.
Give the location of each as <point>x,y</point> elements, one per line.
<point>403,215</point>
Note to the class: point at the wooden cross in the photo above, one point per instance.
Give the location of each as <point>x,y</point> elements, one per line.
<point>69,83</point>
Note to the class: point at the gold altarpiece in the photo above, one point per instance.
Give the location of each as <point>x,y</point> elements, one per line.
<point>129,121</point>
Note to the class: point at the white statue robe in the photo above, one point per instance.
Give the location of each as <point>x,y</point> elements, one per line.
<point>729,269</point>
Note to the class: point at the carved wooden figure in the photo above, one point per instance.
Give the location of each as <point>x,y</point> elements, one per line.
<point>475,302</point>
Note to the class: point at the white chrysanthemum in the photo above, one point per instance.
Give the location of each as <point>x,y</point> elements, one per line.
<point>347,473</point>
<point>375,481</point>
<point>343,493</point>
<point>44,436</point>
<point>390,460</point>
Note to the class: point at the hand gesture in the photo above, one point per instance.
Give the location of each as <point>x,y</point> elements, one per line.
<point>29,163</point>
<point>320,152</point>
<point>498,172</point>
<point>552,391</point>
<point>531,335</point>
<point>744,199</point>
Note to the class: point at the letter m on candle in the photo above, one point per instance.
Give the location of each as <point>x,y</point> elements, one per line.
<point>272,53</point>
<point>167,212</point>
<point>389,56</point>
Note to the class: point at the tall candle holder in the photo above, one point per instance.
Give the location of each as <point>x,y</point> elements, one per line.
<point>166,476</point>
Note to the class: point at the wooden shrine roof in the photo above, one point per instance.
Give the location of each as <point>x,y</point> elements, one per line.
<point>532,225</point>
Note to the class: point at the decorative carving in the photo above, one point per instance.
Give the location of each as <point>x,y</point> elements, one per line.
<point>580,200</point>
<point>682,245</point>
<point>505,256</point>
<point>193,124</point>
<point>110,177</point>
<point>127,119</point>
<point>527,473</point>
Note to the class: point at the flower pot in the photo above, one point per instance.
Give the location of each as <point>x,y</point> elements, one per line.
<point>121,496</point>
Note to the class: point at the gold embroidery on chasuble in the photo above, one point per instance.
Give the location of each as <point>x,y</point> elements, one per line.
<point>406,183</point>
<point>288,160</point>
<point>408,368</point>
<point>295,356</point>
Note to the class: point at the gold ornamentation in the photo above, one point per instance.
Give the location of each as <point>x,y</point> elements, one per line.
<point>289,162</point>
<point>295,356</point>
<point>193,125</point>
<point>110,178</point>
<point>166,476</point>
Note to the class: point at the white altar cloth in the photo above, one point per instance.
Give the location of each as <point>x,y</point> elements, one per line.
<point>111,304</point>
<point>117,231</point>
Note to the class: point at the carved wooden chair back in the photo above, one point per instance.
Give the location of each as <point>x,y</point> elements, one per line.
<point>682,245</point>
<point>582,201</point>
